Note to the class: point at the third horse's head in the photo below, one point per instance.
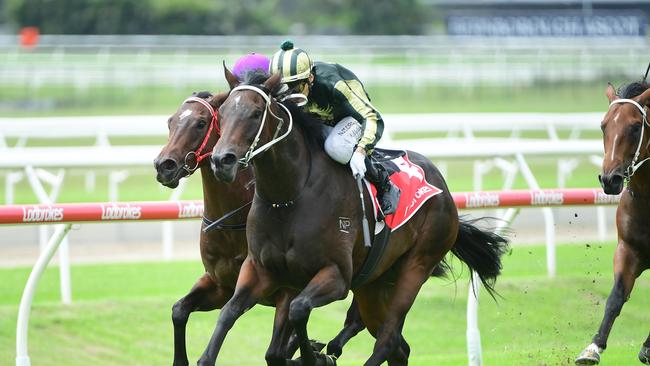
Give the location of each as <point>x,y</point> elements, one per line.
<point>249,122</point>
<point>625,135</point>
<point>193,131</point>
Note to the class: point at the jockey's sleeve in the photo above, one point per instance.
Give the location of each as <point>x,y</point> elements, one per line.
<point>355,101</point>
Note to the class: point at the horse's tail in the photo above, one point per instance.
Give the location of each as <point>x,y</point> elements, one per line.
<point>481,250</point>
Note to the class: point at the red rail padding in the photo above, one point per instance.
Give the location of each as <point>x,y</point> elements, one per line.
<point>139,211</point>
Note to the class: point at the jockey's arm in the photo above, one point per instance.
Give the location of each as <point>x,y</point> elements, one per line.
<point>354,100</point>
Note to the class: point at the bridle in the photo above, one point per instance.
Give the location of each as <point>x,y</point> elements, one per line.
<point>252,152</point>
<point>214,125</point>
<point>634,166</point>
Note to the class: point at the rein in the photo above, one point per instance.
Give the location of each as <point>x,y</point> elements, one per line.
<point>214,125</point>
<point>634,166</point>
<point>251,153</point>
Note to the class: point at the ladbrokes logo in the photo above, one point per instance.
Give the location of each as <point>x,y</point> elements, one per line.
<point>189,210</point>
<point>547,198</point>
<point>604,199</point>
<point>42,214</point>
<point>121,212</point>
<point>476,200</point>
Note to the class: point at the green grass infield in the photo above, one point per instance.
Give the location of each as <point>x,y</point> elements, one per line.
<point>121,315</point>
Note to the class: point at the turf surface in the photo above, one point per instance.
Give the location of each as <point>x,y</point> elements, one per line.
<point>121,316</point>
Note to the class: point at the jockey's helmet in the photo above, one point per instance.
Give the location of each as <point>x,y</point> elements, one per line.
<point>250,62</point>
<point>291,63</point>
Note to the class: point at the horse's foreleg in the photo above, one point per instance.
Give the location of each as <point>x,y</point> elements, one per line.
<point>327,285</point>
<point>252,285</point>
<point>352,326</point>
<point>644,354</point>
<point>626,270</point>
<point>206,295</point>
<point>276,354</point>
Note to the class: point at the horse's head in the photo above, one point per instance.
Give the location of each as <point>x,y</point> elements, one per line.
<point>625,136</point>
<point>193,131</point>
<point>249,121</point>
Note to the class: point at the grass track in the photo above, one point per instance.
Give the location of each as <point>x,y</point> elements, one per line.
<point>539,321</point>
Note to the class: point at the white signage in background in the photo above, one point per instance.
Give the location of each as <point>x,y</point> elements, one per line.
<point>478,200</point>
<point>546,198</point>
<point>604,199</point>
<point>606,24</point>
<point>120,212</point>
<point>189,210</point>
<point>42,214</point>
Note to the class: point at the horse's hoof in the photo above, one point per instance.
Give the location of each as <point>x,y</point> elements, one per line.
<point>644,355</point>
<point>334,349</point>
<point>590,356</point>
<point>325,360</point>
<point>316,345</point>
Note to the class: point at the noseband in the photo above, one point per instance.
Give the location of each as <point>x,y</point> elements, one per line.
<point>252,152</point>
<point>634,166</point>
<point>213,126</point>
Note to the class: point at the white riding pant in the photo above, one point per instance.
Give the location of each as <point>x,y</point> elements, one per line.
<point>342,139</point>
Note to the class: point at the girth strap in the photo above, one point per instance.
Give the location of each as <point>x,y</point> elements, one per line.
<point>374,256</point>
<point>218,224</point>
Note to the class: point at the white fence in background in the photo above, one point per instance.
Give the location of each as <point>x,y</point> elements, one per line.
<point>181,61</point>
<point>440,136</point>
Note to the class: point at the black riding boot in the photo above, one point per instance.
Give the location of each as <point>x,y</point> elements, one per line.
<point>387,193</point>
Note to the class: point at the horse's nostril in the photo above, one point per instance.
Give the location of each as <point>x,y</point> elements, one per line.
<point>228,159</point>
<point>168,165</point>
<point>617,180</point>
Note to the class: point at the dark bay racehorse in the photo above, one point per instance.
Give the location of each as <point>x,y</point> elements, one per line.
<point>193,132</point>
<point>298,255</point>
<point>626,135</point>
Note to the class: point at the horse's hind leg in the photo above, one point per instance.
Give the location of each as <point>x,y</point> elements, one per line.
<point>400,357</point>
<point>644,354</point>
<point>351,327</point>
<point>373,310</point>
<point>206,295</point>
<point>414,271</point>
<point>626,270</point>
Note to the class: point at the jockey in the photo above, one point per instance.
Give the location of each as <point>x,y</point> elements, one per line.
<point>251,62</point>
<point>337,97</point>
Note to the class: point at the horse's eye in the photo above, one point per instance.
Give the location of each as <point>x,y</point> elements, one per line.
<point>602,127</point>
<point>635,129</point>
<point>201,124</point>
<point>257,114</point>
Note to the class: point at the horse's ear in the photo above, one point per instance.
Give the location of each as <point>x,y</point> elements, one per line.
<point>217,100</point>
<point>644,98</point>
<point>611,93</point>
<point>230,78</point>
<point>272,82</point>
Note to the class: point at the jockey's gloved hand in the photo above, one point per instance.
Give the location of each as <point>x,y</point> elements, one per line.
<point>357,163</point>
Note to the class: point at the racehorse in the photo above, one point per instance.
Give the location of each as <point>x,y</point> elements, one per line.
<point>193,132</point>
<point>625,134</point>
<point>298,255</point>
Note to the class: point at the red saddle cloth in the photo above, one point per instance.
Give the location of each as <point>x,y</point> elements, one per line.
<point>415,190</point>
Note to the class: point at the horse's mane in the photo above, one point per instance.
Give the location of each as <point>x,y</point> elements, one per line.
<point>312,128</point>
<point>633,89</point>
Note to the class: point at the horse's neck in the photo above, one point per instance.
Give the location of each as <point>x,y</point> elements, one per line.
<point>282,171</point>
<point>220,198</point>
